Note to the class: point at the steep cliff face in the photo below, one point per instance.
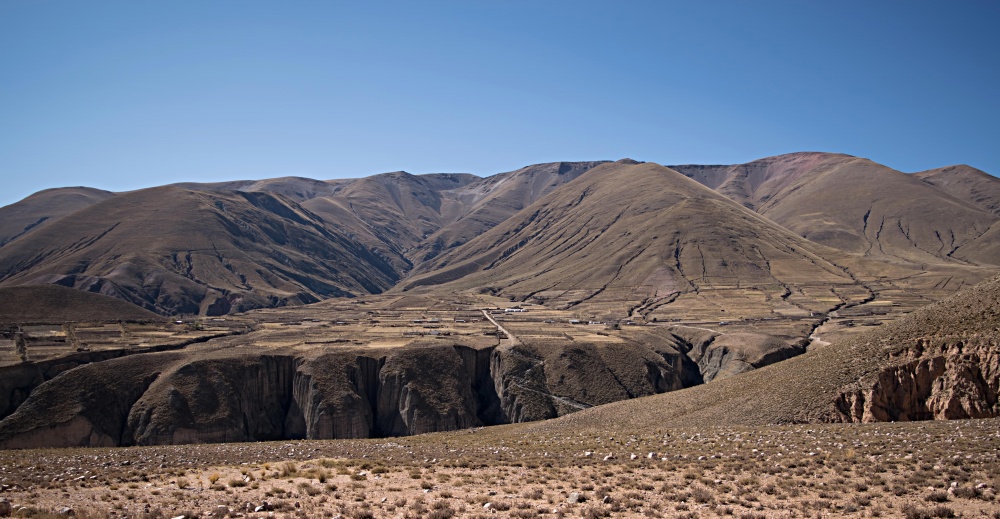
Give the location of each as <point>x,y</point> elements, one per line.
<point>721,355</point>
<point>215,400</point>
<point>333,396</point>
<point>86,406</point>
<point>939,380</point>
<point>425,389</point>
<point>251,394</point>
<point>544,381</point>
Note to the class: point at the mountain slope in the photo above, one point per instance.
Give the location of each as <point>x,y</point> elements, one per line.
<point>295,188</point>
<point>491,200</point>
<point>856,205</point>
<point>630,233</point>
<point>940,362</point>
<point>398,209</point>
<point>179,251</point>
<point>56,304</point>
<point>44,207</point>
<point>966,183</point>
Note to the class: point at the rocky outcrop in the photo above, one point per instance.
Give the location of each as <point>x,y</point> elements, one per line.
<point>86,406</point>
<point>937,380</point>
<point>19,380</point>
<point>720,355</point>
<point>251,394</point>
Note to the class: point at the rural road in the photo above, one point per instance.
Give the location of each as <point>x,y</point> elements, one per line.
<point>510,336</point>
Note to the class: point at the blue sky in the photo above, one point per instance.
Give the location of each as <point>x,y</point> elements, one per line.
<point>124,95</point>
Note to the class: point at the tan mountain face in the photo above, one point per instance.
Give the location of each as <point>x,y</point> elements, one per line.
<point>488,202</point>
<point>53,303</point>
<point>173,250</point>
<point>857,206</point>
<point>624,233</point>
<point>43,208</point>
<point>966,183</point>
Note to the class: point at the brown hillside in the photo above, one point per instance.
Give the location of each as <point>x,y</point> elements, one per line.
<point>44,207</point>
<point>489,201</point>
<point>627,232</point>
<point>856,205</point>
<point>966,183</point>
<point>297,188</point>
<point>178,251</point>
<point>56,304</point>
<point>398,209</point>
<point>940,362</point>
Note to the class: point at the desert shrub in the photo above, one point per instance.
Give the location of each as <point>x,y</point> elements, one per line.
<point>938,496</point>
<point>968,493</point>
<point>912,512</point>
<point>702,495</point>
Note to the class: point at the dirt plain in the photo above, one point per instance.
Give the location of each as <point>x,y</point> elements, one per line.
<point>927,469</point>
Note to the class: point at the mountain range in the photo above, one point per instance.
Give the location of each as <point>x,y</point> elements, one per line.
<point>638,278</point>
<point>635,234</point>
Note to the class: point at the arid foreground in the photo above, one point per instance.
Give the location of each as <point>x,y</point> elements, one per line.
<point>917,469</point>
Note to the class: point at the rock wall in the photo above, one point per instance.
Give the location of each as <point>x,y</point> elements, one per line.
<point>19,380</point>
<point>234,395</point>
<point>939,380</point>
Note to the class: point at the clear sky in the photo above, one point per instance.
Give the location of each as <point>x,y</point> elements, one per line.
<point>123,95</point>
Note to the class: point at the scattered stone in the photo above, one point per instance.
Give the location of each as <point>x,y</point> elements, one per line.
<point>633,456</point>
<point>66,511</point>
<point>5,508</point>
<point>575,497</point>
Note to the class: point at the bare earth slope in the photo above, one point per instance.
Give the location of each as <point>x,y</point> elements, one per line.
<point>397,209</point>
<point>45,207</point>
<point>299,189</point>
<point>178,251</point>
<point>856,205</point>
<point>630,234</point>
<point>56,304</point>
<point>940,362</point>
<point>489,201</point>
<point>966,183</point>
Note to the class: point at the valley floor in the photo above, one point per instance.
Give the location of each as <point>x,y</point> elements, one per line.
<point>920,469</point>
